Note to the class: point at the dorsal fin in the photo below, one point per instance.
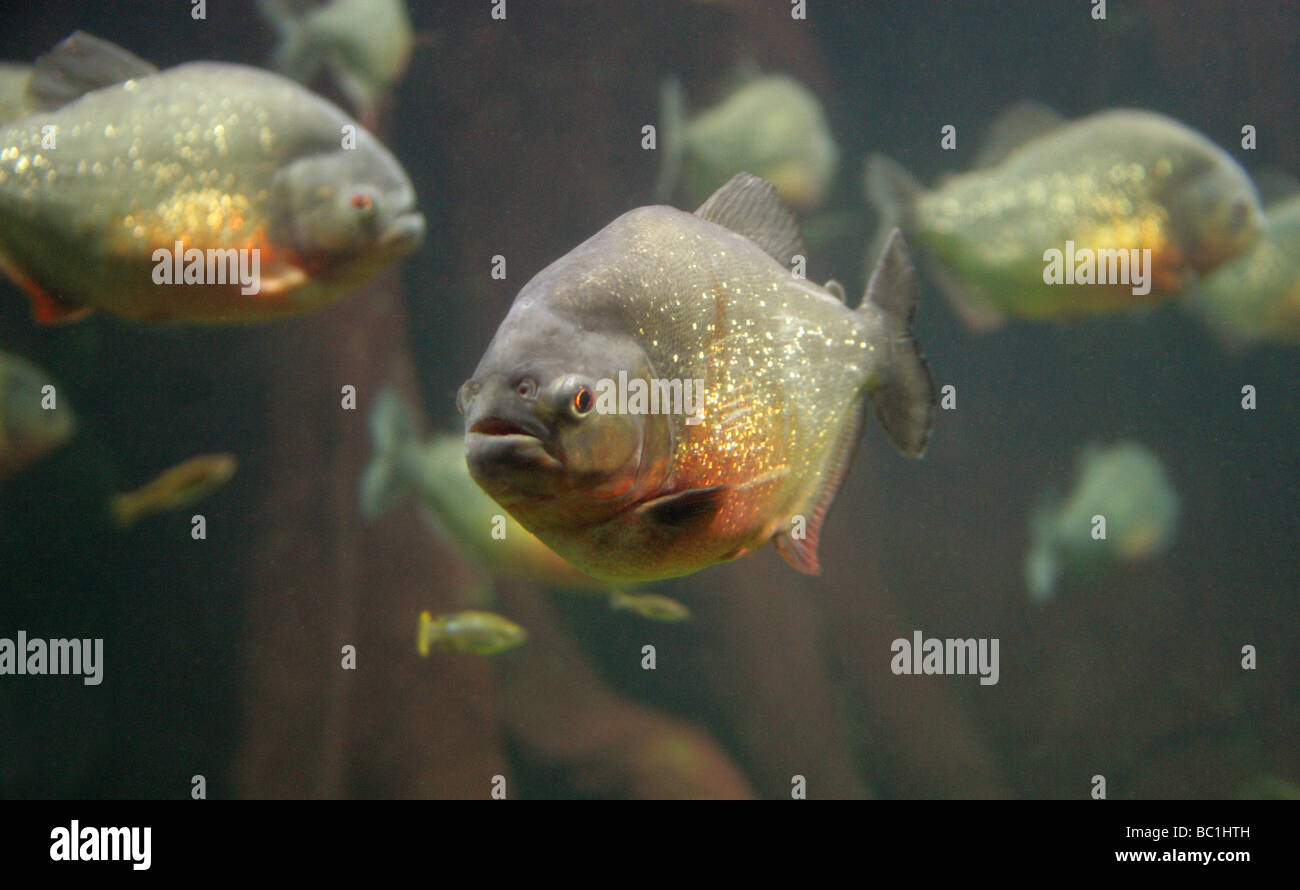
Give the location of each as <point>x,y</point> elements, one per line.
<point>836,289</point>
<point>750,206</point>
<point>81,64</point>
<point>1015,126</point>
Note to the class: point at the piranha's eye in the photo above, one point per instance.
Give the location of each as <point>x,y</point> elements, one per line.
<point>583,402</point>
<point>527,388</point>
<point>1237,216</point>
<point>362,202</point>
<point>466,395</point>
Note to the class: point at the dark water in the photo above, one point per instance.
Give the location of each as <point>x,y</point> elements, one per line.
<point>522,138</point>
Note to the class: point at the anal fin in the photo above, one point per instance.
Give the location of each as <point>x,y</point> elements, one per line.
<point>51,310</point>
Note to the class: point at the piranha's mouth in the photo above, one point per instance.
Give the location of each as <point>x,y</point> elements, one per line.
<point>404,233</point>
<point>508,452</point>
<point>495,426</point>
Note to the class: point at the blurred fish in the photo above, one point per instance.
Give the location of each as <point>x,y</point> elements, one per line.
<point>771,126</point>
<point>174,489</point>
<point>477,633</point>
<point>1127,485</point>
<point>366,45</point>
<point>28,429</point>
<point>13,91</point>
<point>435,472</point>
<point>650,605</point>
<point>1114,181</point>
<point>1257,296</point>
<point>162,178</point>
<point>659,301</point>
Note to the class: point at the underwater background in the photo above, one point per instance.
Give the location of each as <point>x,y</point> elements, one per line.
<point>523,137</point>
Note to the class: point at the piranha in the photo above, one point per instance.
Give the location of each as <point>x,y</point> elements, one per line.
<point>1125,485</point>
<point>1142,204</point>
<point>175,488</point>
<point>653,606</point>
<point>34,415</point>
<point>476,633</point>
<point>365,44</point>
<point>207,192</point>
<point>771,125</point>
<point>434,471</point>
<point>629,493</point>
<point>1257,296</point>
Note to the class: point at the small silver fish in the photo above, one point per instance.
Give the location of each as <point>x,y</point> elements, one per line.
<point>473,632</point>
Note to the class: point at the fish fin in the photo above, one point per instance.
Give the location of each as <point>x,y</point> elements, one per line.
<point>283,279</point>
<point>80,64</point>
<point>975,311</point>
<point>750,206</point>
<point>384,481</point>
<point>298,56</point>
<point>683,510</point>
<point>672,138</point>
<point>1012,128</point>
<point>902,391</point>
<point>424,634</point>
<point>1042,563</point>
<point>47,309</point>
<point>836,289</point>
<point>800,554</point>
<point>892,191</point>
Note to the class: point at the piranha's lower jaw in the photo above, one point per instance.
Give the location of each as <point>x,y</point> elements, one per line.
<point>510,460</point>
<point>404,234</point>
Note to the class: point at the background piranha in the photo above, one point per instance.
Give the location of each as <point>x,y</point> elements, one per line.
<point>208,155</point>
<point>1115,181</point>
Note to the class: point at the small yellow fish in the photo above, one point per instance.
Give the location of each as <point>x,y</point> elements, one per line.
<point>650,605</point>
<point>1057,218</point>
<point>33,420</point>
<point>174,488</point>
<point>477,633</point>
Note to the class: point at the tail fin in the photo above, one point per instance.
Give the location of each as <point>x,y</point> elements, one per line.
<point>891,190</point>
<point>902,392</point>
<point>672,127</point>
<point>295,57</point>
<point>384,482</point>
<point>1042,562</point>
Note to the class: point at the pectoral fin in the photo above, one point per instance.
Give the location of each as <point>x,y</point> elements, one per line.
<point>683,510</point>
